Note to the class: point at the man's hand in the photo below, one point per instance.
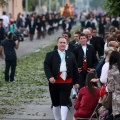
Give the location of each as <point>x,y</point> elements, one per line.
<point>90,70</point>
<point>52,80</point>
<point>76,86</point>
<point>79,70</point>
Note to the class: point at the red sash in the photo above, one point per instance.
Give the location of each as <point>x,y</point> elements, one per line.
<point>60,80</point>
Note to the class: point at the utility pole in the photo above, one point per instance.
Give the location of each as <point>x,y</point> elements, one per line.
<point>7,7</point>
<point>88,4</point>
<point>39,4</point>
<point>26,7</point>
<point>49,6</point>
<point>56,3</point>
<point>63,2</point>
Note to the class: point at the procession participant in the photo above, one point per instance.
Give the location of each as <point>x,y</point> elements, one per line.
<point>86,59</point>
<point>76,36</point>
<point>2,30</point>
<point>61,71</point>
<point>69,46</point>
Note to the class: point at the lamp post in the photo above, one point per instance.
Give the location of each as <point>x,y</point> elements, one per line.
<point>7,7</point>
<point>49,6</point>
<point>26,7</point>
<point>63,2</point>
<point>39,4</point>
<point>56,3</point>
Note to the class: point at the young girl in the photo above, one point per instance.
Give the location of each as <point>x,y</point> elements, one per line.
<point>87,98</point>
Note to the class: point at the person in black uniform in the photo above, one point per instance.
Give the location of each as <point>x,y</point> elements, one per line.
<point>2,31</point>
<point>76,36</point>
<point>86,59</point>
<point>66,25</point>
<point>61,71</point>
<point>69,46</point>
<point>99,41</point>
<point>9,46</point>
<point>32,26</point>
<point>39,28</point>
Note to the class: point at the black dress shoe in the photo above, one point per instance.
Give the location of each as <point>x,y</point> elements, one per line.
<point>74,96</point>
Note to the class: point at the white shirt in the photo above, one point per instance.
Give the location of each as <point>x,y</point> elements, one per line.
<point>66,47</point>
<point>67,26</point>
<point>84,50</point>
<point>62,55</point>
<point>63,67</point>
<point>5,20</point>
<point>104,73</point>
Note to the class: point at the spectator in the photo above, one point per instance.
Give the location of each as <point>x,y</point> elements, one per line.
<point>5,21</point>
<point>114,83</point>
<point>9,46</point>
<point>87,98</point>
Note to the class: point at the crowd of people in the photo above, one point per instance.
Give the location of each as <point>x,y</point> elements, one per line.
<point>12,33</point>
<point>34,23</point>
<point>75,66</point>
<point>89,66</point>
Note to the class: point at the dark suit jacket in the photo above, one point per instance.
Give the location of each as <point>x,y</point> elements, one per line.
<point>87,25</point>
<point>92,25</point>
<point>98,44</point>
<point>73,43</point>
<point>70,47</point>
<point>52,65</point>
<point>90,56</point>
<point>32,29</point>
<point>115,23</point>
<point>64,27</point>
<point>2,33</point>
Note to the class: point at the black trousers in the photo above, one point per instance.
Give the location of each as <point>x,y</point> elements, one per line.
<point>117,117</point>
<point>10,64</point>
<point>60,93</point>
<point>82,77</point>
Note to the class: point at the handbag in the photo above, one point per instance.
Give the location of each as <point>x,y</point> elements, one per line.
<point>107,100</point>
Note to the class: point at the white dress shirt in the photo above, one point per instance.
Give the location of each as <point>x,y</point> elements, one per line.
<point>104,73</point>
<point>63,67</point>
<point>84,50</point>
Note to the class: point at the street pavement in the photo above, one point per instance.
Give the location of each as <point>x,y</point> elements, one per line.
<point>42,110</point>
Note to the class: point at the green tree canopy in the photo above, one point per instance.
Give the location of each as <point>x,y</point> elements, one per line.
<point>2,2</point>
<point>113,7</point>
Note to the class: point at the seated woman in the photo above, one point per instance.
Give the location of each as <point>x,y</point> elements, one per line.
<point>88,98</point>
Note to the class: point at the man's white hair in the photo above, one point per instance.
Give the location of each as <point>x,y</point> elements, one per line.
<point>86,30</point>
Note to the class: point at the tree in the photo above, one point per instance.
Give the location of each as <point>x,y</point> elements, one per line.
<point>113,7</point>
<point>2,3</point>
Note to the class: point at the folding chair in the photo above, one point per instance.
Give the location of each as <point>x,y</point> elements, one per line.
<point>94,113</point>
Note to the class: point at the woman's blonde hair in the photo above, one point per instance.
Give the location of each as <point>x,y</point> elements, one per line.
<point>108,51</point>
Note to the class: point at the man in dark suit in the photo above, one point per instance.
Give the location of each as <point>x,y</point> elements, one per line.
<point>115,23</point>
<point>76,36</point>
<point>69,46</point>
<point>66,25</point>
<point>86,59</point>
<point>2,31</point>
<point>32,26</point>
<point>61,71</point>
<point>95,42</point>
<point>87,22</point>
<point>99,42</point>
